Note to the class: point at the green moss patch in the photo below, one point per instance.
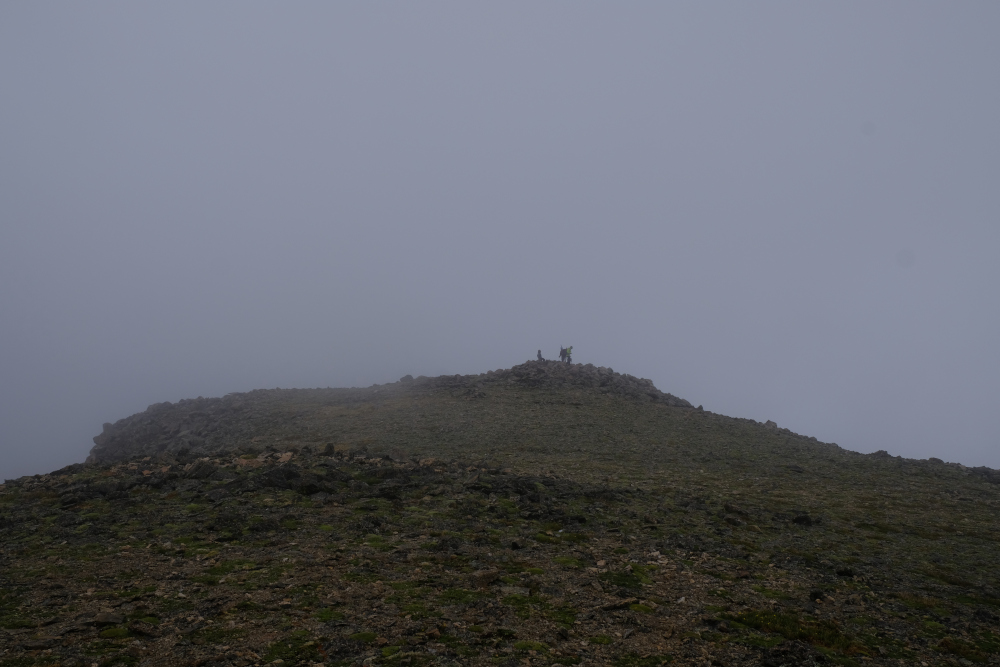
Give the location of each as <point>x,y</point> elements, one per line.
<point>819,633</point>
<point>634,577</point>
<point>460,596</point>
<point>296,647</point>
<point>113,633</point>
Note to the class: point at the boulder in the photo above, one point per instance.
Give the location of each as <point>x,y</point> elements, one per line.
<point>201,470</point>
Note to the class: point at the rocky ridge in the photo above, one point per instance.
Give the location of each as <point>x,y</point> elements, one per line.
<point>205,425</point>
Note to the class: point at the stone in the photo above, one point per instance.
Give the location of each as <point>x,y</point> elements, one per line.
<point>620,604</point>
<point>142,628</point>
<point>107,618</point>
<point>201,470</point>
<point>483,578</point>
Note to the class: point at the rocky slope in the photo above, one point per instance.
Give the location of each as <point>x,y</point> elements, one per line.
<point>541,515</point>
<point>207,424</point>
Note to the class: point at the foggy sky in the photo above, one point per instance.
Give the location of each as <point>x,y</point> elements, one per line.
<point>781,211</point>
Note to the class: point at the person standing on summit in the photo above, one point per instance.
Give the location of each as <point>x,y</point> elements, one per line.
<point>562,353</point>
<point>569,354</point>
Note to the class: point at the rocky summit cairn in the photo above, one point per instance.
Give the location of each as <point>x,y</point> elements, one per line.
<point>555,374</point>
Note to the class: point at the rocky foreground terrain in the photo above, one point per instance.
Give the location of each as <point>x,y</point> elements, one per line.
<point>542,515</point>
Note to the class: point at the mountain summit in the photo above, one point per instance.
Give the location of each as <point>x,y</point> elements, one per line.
<point>318,415</point>
<point>547,514</point>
